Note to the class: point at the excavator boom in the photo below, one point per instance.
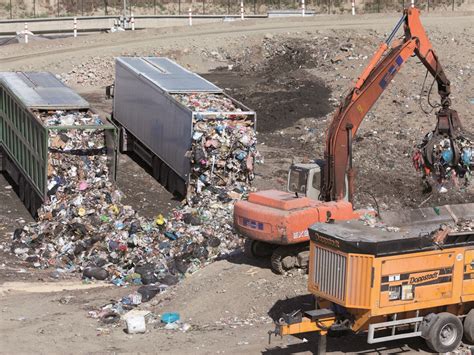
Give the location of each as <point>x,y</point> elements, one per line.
<point>275,223</point>
<point>385,64</point>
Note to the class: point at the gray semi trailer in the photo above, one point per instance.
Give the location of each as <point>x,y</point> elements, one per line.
<point>154,123</point>
<point>25,98</point>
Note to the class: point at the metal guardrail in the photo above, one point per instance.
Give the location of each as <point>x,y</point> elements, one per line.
<point>113,17</point>
<point>74,21</point>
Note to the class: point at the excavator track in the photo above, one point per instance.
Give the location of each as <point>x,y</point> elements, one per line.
<point>287,257</point>
<point>258,249</point>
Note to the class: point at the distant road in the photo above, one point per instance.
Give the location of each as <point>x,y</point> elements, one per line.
<point>130,40</point>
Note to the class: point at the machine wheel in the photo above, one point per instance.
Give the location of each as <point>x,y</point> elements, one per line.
<point>445,333</point>
<point>257,249</point>
<point>469,326</point>
<point>285,258</point>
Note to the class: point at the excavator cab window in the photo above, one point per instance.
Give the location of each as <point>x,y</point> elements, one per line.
<point>317,181</point>
<point>297,180</point>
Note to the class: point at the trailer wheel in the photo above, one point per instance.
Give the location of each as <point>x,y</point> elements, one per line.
<point>157,163</point>
<point>181,187</point>
<point>28,196</point>
<point>164,172</point>
<point>21,188</point>
<point>469,326</point>
<point>445,333</point>
<point>35,204</point>
<point>172,177</point>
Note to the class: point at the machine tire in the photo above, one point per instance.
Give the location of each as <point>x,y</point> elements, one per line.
<point>445,334</point>
<point>277,265</point>
<point>257,249</point>
<point>469,326</point>
<point>278,259</point>
<point>285,257</point>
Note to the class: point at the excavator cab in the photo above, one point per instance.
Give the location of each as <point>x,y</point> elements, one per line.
<point>305,179</point>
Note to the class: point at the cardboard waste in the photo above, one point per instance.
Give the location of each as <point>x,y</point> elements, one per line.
<point>84,227</point>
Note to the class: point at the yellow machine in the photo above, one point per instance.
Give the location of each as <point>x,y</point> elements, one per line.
<point>410,279</point>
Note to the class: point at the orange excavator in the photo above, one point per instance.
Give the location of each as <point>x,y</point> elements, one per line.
<point>275,223</point>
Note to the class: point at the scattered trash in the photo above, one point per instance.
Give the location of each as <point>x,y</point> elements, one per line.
<point>148,292</point>
<point>97,273</point>
<point>372,221</point>
<point>224,144</point>
<point>133,299</point>
<point>177,325</point>
<point>135,323</point>
<point>170,317</point>
<point>85,227</point>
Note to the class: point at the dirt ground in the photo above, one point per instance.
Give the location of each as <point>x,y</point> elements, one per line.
<point>291,72</point>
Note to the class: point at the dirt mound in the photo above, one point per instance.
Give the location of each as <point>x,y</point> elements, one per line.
<point>295,85</point>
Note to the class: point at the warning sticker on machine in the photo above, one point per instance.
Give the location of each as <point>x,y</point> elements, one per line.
<point>301,234</point>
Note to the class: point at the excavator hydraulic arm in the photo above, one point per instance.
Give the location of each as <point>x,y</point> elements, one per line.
<point>385,64</point>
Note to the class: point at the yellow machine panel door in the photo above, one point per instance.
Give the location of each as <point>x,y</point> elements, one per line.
<point>416,278</point>
<point>468,273</point>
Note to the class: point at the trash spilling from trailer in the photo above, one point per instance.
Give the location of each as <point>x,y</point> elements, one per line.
<point>84,227</point>
<point>223,147</point>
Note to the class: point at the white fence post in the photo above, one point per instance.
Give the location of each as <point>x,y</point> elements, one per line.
<point>132,20</point>
<point>190,17</point>
<point>241,9</point>
<point>75,27</point>
<point>302,8</point>
<point>353,8</point>
<point>26,32</point>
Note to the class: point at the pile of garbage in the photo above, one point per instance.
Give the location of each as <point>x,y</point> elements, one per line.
<point>208,102</point>
<point>69,118</point>
<point>441,235</point>
<point>463,225</point>
<point>370,219</point>
<point>446,172</point>
<point>224,146</point>
<point>84,227</point>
